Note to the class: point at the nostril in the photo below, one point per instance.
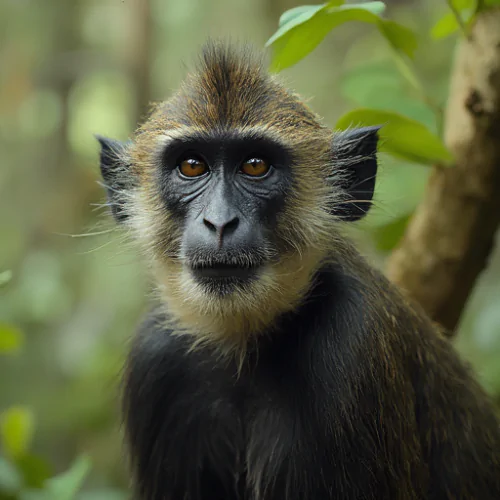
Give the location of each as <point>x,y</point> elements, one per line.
<point>210,225</point>
<point>231,225</point>
<point>222,227</point>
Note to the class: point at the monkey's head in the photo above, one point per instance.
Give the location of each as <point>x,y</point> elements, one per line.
<point>236,190</point>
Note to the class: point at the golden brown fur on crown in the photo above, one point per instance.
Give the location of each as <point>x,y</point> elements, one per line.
<point>230,91</point>
<point>230,88</point>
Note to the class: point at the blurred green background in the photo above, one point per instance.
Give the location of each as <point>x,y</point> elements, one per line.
<point>70,69</point>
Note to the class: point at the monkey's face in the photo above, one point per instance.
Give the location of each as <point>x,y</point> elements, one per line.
<point>236,219</point>
<point>237,190</point>
<point>225,191</point>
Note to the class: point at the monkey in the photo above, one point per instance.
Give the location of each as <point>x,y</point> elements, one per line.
<point>276,362</point>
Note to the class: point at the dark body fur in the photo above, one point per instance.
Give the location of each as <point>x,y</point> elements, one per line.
<point>354,396</point>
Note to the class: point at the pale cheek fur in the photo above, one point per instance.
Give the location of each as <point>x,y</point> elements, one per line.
<point>228,322</point>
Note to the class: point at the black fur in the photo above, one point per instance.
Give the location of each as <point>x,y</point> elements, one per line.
<point>332,405</point>
<point>114,171</point>
<point>356,151</point>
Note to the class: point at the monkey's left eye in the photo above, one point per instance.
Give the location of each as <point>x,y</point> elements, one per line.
<point>192,167</point>
<point>255,167</point>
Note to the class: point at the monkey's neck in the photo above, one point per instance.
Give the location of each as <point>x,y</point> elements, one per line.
<point>233,326</point>
<point>230,322</point>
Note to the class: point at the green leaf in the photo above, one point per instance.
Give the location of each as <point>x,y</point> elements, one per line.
<point>399,36</point>
<point>11,339</point>
<point>291,14</point>
<point>67,485</point>
<point>463,4</point>
<point>376,8</point>
<point>305,31</point>
<point>407,72</point>
<point>297,38</point>
<point>10,478</point>
<point>295,17</point>
<point>300,13</point>
<point>35,470</point>
<point>17,425</point>
<point>446,26</point>
<point>5,277</point>
<point>400,135</point>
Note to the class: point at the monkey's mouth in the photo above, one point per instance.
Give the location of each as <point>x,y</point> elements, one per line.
<point>224,272</point>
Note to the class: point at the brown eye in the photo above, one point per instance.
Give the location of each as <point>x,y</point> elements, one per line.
<point>255,167</point>
<point>192,167</point>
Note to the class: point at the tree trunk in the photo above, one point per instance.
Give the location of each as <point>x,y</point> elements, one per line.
<point>451,234</point>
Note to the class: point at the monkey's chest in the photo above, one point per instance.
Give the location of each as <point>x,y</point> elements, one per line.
<point>200,433</point>
<point>239,446</point>
<point>247,446</point>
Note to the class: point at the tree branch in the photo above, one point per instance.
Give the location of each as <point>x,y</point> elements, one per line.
<point>450,236</point>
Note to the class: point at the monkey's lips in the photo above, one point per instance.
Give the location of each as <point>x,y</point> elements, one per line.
<point>224,273</point>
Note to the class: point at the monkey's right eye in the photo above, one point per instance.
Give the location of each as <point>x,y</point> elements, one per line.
<point>192,167</point>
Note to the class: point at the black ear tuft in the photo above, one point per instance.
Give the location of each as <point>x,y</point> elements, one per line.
<point>115,173</point>
<point>355,154</point>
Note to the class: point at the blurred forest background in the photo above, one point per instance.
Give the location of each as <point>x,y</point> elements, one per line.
<point>74,68</point>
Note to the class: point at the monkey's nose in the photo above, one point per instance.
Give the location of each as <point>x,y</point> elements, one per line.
<point>221,227</point>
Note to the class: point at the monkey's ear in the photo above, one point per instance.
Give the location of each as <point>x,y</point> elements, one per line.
<point>355,154</point>
<point>115,171</point>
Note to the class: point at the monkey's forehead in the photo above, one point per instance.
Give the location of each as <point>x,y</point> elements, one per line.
<point>205,105</point>
<point>231,88</point>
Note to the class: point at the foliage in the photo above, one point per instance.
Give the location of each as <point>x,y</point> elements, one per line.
<point>400,135</point>
<point>26,476</point>
<point>23,474</point>
<point>11,339</point>
<point>302,29</point>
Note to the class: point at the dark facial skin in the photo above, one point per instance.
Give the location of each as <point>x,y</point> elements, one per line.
<point>227,191</point>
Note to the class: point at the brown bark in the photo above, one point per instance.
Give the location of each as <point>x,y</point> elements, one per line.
<point>451,234</point>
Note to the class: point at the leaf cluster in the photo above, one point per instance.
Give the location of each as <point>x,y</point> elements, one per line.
<point>303,28</point>
<point>24,475</point>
